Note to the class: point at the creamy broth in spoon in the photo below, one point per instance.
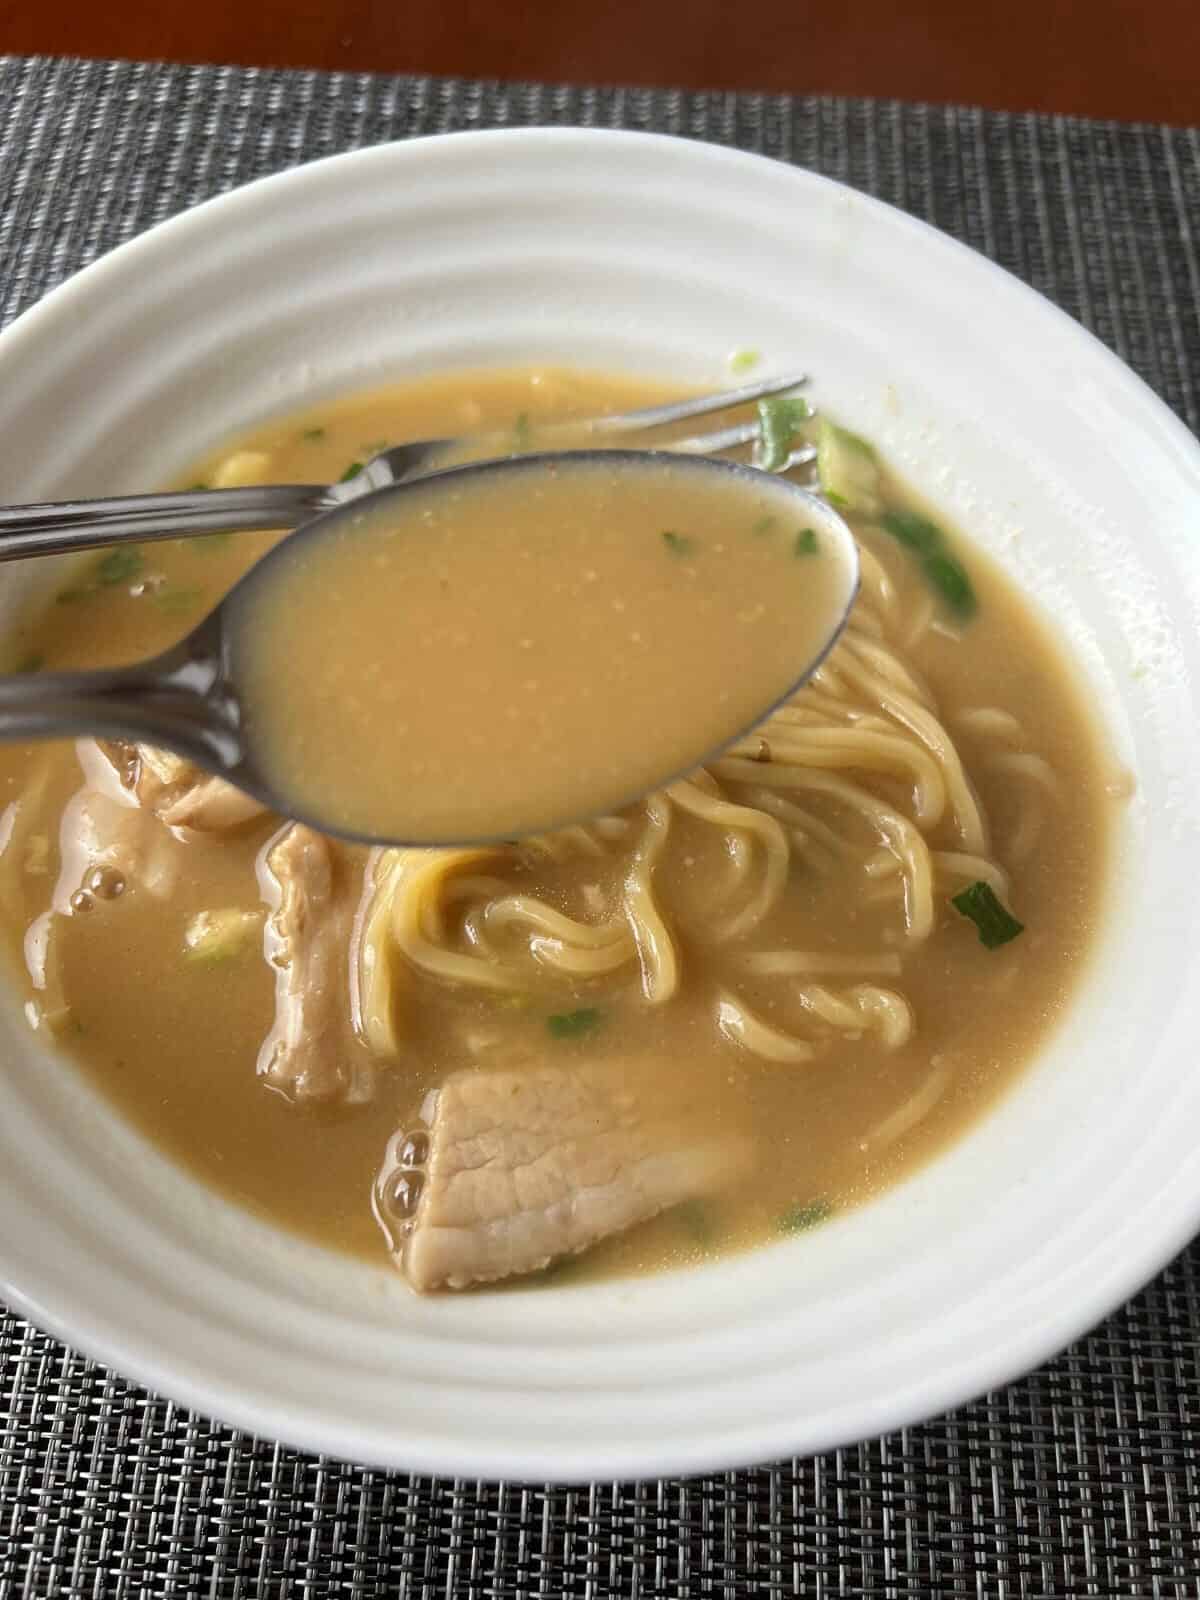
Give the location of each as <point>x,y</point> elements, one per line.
<point>495,652</point>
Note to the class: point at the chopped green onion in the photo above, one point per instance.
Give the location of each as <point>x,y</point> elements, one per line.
<point>809,1215</point>
<point>678,543</point>
<point>779,418</point>
<point>996,924</point>
<point>313,434</point>
<point>855,442</point>
<point>943,571</point>
<point>806,543</point>
<point>118,565</point>
<point>573,1024</point>
<point>215,936</point>
<point>177,602</point>
<point>523,431</point>
<point>33,662</point>
<point>208,542</point>
<point>194,488</point>
<point>352,471</point>
<point>949,577</point>
<point>913,531</point>
<point>744,360</point>
<point>763,525</point>
<point>847,469</point>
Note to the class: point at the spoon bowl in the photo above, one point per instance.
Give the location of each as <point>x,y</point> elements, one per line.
<point>490,651</point>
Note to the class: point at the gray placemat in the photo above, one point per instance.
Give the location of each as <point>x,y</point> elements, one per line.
<point>1080,1480</point>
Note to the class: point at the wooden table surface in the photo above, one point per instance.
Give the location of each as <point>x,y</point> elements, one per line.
<point>1133,59</point>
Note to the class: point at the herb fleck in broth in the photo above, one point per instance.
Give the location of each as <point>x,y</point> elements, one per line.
<point>792,1011</point>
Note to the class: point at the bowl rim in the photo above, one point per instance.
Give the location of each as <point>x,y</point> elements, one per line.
<point>935,1392</point>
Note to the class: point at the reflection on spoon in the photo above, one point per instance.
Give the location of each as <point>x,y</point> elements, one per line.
<point>492,651</point>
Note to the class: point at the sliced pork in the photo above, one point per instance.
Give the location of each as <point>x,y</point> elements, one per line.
<point>521,1167</point>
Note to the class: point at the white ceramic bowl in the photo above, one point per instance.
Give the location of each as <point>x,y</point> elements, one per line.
<point>623,250</point>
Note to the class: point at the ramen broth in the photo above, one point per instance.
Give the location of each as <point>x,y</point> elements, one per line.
<point>772,947</point>
<point>488,656</point>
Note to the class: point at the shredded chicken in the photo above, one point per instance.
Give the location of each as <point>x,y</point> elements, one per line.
<point>107,846</point>
<point>108,841</point>
<point>522,1167</point>
<point>314,888</point>
<point>177,790</point>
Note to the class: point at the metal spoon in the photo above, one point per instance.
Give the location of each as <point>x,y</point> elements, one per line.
<point>60,527</point>
<point>190,700</point>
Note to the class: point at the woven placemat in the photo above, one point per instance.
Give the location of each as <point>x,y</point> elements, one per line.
<point>1080,1480</point>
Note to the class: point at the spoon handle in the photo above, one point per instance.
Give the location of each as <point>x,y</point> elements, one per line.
<point>121,704</point>
<point>177,701</point>
<point>57,528</point>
